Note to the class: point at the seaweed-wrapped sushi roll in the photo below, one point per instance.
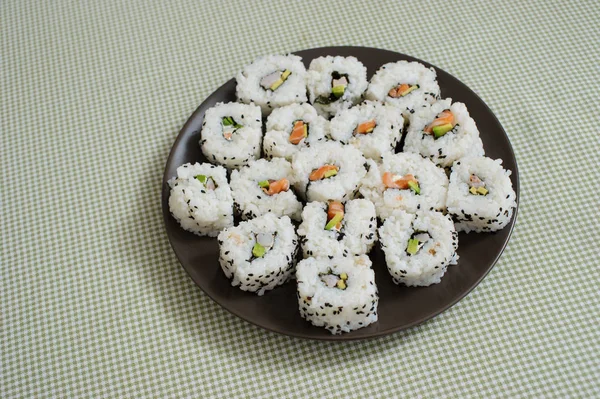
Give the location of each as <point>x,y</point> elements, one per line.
<point>264,186</point>
<point>272,81</point>
<point>200,199</point>
<point>336,229</point>
<point>335,83</point>
<point>328,171</point>
<point>480,195</point>
<point>292,128</point>
<point>231,134</point>
<point>259,254</point>
<point>443,132</point>
<point>407,85</point>
<point>338,294</point>
<point>418,247</point>
<point>373,128</point>
<point>406,182</point>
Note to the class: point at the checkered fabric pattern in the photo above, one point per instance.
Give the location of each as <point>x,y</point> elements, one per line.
<point>93,302</point>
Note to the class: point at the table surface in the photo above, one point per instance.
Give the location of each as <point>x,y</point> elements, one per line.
<point>93,302</point>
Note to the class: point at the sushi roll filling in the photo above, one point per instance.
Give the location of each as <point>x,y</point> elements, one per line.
<point>208,181</point>
<point>275,79</point>
<point>264,242</point>
<point>335,215</point>
<point>477,186</point>
<point>406,182</point>
<point>339,83</point>
<point>332,280</point>
<point>443,123</point>
<point>230,126</point>
<point>272,187</point>
<point>299,132</point>
<point>365,127</point>
<point>418,241</point>
<point>324,172</point>
<point>402,90</point>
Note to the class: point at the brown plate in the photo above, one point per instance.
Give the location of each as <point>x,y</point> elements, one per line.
<point>399,307</point>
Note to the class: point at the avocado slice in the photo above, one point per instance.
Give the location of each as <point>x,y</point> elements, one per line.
<point>285,74</point>
<point>338,90</point>
<point>276,85</point>
<point>330,173</point>
<point>258,250</point>
<point>409,90</point>
<point>414,185</point>
<point>201,179</point>
<point>264,183</point>
<point>482,190</point>
<point>305,130</point>
<point>334,221</point>
<point>341,285</point>
<point>439,131</point>
<point>473,190</point>
<point>413,246</point>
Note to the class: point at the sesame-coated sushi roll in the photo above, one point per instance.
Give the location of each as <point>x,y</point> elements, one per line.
<point>373,128</point>
<point>272,81</point>
<point>418,247</point>
<point>231,134</point>
<point>200,199</point>
<point>339,294</point>
<point>259,254</point>
<point>443,132</point>
<point>335,83</point>
<point>264,186</point>
<point>405,181</point>
<point>291,128</point>
<point>328,171</point>
<point>480,195</point>
<point>407,85</point>
<point>336,229</point>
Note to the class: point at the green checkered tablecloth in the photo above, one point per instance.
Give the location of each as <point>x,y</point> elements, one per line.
<point>93,301</point>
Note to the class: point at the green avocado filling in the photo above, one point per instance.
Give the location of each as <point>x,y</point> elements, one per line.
<point>416,242</point>
<point>333,280</point>
<point>330,173</point>
<point>258,250</point>
<point>264,183</point>
<point>414,186</point>
<point>229,121</point>
<point>201,179</point>
<point>339,83</point>
<point>439,131</point>
<point>334,221</point>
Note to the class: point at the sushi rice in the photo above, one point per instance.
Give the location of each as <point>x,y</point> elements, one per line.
<point>200,199</point>
<point>335,83</point>
<point>480,195</point>
<point>338,294</point>
<point>430,189</point>
<point>272,81</point>
<point>279,141</point>
<point>328,171</point>
<point>372,127</point>
<point>461,141</point>
<point>231,134</point>
<point>407,85</point>
<point>264,186</point>
<point>356,235</point>
<point>418,247</point>
<point>259,254</point>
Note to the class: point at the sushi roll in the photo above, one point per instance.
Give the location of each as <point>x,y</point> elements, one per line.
<point>259,254</point>
<point>291,128</point>
<point>407,182</point>
<point>407,85</point>
<point>339,294</point>
<point>231,134</point>
<point>264,186</point>
<point>328,171</point>
<point>336,229</point>
<point>480,195</point>
<point>418,247</point>
<point>443,132</point>
<point>373,128</point>
<point>272,81</point>
<point>200,199</point>
<point>335,83</point>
